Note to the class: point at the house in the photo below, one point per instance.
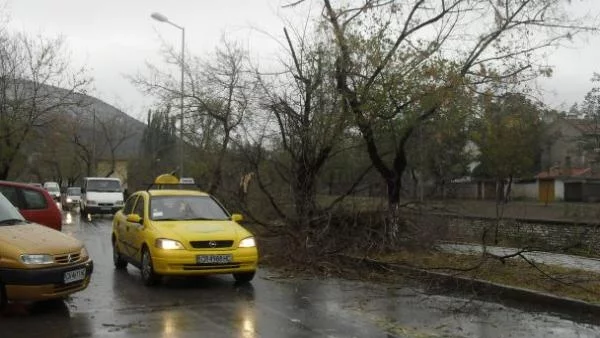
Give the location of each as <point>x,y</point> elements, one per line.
<point>570,160</point>
<point>570,142</point>
<point>569,184</point>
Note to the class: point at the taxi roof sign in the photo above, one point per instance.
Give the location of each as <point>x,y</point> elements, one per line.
<point>187,180</point>
<point>166,179</point>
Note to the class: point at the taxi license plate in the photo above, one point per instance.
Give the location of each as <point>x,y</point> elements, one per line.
<point>74,276</point>
<point>213,259</point>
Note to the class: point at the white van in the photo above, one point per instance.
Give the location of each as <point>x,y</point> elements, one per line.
<point>100,195</point>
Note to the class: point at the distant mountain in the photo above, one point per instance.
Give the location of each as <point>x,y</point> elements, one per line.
<point>105,112</point>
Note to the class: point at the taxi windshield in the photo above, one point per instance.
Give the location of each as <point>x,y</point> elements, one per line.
<point>182,208</point>
<point>9,214</point>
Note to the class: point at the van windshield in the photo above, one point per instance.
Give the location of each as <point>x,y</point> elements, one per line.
<point>104,185</point>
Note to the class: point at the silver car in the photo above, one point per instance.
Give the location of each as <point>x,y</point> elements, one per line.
<point>71,198</point>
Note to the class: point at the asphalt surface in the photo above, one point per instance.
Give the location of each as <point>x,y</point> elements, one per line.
<point>116,304</point>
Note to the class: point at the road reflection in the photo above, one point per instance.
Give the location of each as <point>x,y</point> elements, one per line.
<point>247,317</point>
<point>49,319</point>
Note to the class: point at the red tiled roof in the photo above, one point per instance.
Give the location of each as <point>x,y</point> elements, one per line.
<point>565,172</point>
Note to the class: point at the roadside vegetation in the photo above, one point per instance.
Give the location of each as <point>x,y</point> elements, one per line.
<point>371,100</point>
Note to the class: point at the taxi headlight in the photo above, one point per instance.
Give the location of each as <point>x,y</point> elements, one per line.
<point>168,244</point>
<point>247,243</point>
<point>83,253</point>
<point>37,259</point>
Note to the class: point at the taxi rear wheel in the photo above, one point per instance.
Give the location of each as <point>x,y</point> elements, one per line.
<point>243,277</point>
<point>148,276</point>
<point>120,263</point>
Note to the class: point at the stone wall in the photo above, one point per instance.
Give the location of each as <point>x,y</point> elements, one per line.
<point>544,235</point>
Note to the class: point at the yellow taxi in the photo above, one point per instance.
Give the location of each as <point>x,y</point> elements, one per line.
<point>168,230</point>
<point>37,262</point>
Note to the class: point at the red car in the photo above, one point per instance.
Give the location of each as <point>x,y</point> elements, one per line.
<point>35,204</point>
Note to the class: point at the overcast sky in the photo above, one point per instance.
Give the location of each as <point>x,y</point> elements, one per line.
<point>116,37</point>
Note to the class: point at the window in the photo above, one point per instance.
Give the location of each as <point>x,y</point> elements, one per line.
<point>128,209</point>
<point>34,199</point>
<point>186,208</point>
<point>103,185</point>
<point>139,207</point>
<point>11,194</point>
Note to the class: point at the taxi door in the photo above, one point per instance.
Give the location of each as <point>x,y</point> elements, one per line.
<point>122,226</point>
<point>136,230</point>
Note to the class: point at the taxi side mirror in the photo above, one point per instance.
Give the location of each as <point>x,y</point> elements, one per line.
<point>237,217</point>
<point>134,218</point>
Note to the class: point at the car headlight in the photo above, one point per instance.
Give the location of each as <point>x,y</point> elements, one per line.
<point>247,243</point>
<point>168,244</point>
<point>119,203</point>
<point>83,253</point>
<point>91,202</point>
<point>69,200</point>
<point>37,259</point>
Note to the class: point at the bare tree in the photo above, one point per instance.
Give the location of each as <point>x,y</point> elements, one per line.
<point>216,100</point>
<point>36,85</point>
<point>308,126</point>
<point>114,133</point>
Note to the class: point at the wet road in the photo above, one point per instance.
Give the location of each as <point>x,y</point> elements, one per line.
<point>116,304</point>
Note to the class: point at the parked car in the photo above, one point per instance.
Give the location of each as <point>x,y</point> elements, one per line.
<point>35,204</point>
<point>38,263</point>
<point>181,232</point>
<point>100,195</point>
<point>54,190</point>
<point>72,197</point>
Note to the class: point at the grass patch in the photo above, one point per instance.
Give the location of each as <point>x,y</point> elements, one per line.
<point>560,281</point>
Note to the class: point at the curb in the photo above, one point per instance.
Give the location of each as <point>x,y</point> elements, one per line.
<point>540,300</point>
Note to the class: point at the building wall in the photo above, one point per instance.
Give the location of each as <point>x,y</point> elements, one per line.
<point>563,137</point>
<point>559,190</point>
<point>529,190</point>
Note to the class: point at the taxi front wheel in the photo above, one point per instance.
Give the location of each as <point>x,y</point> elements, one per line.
<point>148,276</point>
<point>243,277</point>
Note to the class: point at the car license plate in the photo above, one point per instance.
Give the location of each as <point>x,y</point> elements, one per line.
<point>74,276</point>
<point>105,208</point>
<point>213,259</point>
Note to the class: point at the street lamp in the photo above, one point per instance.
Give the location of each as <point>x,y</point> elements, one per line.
<point>162,18</point>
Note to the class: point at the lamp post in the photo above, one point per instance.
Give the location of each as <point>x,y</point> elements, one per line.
<point>162,18</point>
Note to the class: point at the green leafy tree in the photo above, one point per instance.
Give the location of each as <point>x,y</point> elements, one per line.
<point>508,134</point>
